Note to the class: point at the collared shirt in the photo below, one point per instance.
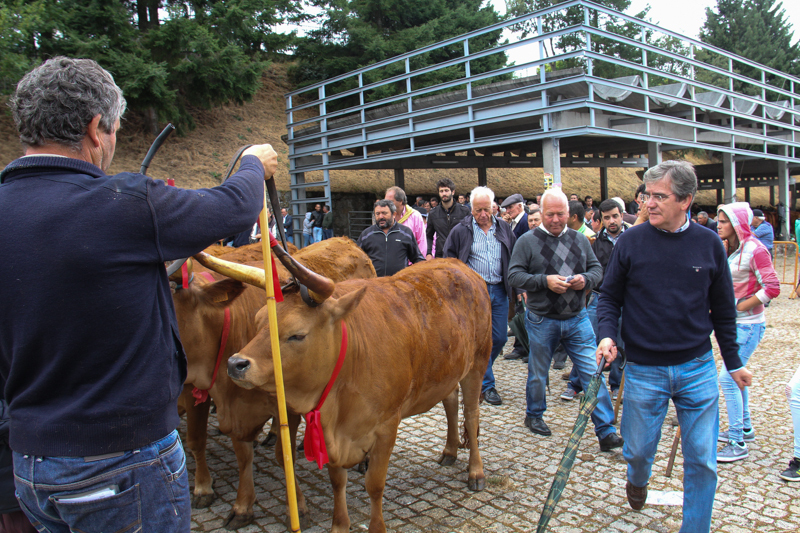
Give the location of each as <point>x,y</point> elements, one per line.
<point>563,231</point>
<point>517,219</point>
<point>484,255</point>
<point>586,230</point>
<point>615,239</point>
<point>682,228</point>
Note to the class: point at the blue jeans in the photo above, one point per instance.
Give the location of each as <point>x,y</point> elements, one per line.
<point>793,394</point>
<point>317,234</point>
<point>614,373</point>
<point>290,238</point>
<point>499,298</point>
<point>692,387</point>
<point>578,339</point>
<point>737,401</point>
<point>151,484</point>
<point>327,234</point>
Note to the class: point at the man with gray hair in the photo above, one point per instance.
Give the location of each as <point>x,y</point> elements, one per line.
<point>89,347</point>
<point>557,268</point>
<point>484,242</point>
<point>703,220</point>
<point>657,275</point>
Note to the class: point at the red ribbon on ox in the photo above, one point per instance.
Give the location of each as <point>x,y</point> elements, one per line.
<point>275,282</point>
<point>201,395</point>
<point>314,440</point>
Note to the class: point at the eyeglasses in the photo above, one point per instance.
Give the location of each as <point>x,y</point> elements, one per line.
<point>659,198</point>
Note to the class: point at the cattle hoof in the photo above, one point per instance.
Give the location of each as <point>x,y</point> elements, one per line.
<point>270,441</point>
<point>447,460</point>
<point>201,501</point>
<point>234,521</point>
<point>477,484</point>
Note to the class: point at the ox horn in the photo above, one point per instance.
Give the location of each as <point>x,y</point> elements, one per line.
<point>319,287</point>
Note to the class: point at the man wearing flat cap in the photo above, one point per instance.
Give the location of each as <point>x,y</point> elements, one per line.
<point>516,214</point>
<point>763,230</point>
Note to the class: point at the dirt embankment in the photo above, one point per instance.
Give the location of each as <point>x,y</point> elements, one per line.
<point>200,158</point>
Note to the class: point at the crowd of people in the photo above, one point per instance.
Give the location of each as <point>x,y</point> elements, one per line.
<point>591,279</point>
<point>91,376</point>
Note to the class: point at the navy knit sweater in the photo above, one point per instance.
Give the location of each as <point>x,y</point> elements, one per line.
<point>666,284</point>
<point>89,349</point>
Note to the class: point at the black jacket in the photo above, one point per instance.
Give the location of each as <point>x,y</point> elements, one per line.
<point>602,248</point>
<point>441,222</point>
<point>288,228</point>
<point>390,252</point>
<point>459,245</point>
<point>316,218</point>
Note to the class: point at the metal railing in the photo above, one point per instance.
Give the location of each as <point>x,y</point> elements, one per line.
<point>358,221</point>
<point>786,261</point>
<point>677,91</point>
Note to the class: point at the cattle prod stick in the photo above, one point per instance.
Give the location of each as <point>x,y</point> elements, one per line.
<point>272,312</point>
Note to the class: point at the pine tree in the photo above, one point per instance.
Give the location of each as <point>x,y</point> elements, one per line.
<point>356,33</point>
<point>754,29</point>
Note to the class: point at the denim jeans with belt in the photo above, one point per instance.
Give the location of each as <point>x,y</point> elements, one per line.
<point>145,490</point>
<point>692,387</point>
<point>737,401</point>
<point>499,298</point>
<point>578,338</point>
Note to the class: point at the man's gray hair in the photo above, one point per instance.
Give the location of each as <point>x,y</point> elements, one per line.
<point>481,191</point>
<point>399,194</point>
<point>683,180</point>
<point>56,101</point>
<point>702,214</point>
<point>385,203</point>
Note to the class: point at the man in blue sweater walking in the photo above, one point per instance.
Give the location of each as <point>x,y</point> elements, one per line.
<point>671,282</point>
<point>90,357</point>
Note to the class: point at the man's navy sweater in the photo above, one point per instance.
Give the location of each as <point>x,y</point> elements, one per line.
<point>674,289</point>
<point>89,350</point>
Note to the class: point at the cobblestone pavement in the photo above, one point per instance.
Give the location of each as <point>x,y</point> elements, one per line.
<point>422,496</point>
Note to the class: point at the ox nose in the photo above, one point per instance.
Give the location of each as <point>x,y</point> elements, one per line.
<point>237,367</point>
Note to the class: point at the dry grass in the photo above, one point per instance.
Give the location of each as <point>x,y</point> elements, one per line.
<point>200,158</point>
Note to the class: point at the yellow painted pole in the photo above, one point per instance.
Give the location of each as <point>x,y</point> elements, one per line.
<point>272,312</point>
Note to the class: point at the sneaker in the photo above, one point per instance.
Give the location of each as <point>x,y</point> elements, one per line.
<point>749,435</point>
<point>614,394</point>
<point>793,472</point>
<point>568,394</point>
<point>732,452</point>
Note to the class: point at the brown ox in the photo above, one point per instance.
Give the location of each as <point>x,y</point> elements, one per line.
<point>241,413</point>
<point>413,338</point>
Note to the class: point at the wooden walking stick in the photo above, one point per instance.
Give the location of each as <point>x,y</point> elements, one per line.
<point>272,312</point>
<point>674,452</point>
<point>618,401</point>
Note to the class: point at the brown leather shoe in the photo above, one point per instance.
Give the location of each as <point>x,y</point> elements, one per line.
<point>636,495</point>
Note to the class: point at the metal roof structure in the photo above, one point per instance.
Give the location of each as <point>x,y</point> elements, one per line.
<point>580,107</point>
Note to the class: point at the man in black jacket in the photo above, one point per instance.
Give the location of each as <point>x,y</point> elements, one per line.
<point>389,245</point>
<point>92,375</point>
<point>443,218</point>
<point>484,242</point>
<point>317,216</point>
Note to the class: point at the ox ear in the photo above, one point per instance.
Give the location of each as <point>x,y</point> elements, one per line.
<point>221,293</point>
<point>343,306</point>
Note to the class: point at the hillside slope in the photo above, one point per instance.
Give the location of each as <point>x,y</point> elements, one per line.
<point>200,158</point>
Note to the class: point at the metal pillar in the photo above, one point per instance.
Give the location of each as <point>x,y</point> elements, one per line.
<point>551,153</point>
<point>400,178</point>
<point>747,194</point>
<point>783,197</point>
<point>653,154</point>
<point>298,194</point>
<point>482,176</point>
<point>728,178</point>
<point>603,183</point>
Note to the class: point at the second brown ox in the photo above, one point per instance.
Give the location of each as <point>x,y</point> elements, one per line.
<point>413,338</point>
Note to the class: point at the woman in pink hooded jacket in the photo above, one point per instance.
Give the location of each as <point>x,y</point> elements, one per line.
<point>754,284</point>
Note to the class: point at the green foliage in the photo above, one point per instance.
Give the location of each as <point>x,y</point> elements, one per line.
<point>754,29</point>
<point>201,53</point>
<point>602,45</point>
<point>357,33</point>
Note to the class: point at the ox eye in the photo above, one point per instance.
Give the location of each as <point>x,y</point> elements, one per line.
<point>297,337</point>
